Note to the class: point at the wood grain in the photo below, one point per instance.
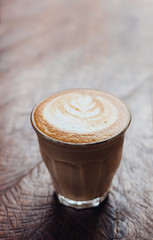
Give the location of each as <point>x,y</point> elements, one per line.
<point>47,46</point>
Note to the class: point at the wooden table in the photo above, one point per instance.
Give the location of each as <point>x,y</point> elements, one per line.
<point>47,46</point>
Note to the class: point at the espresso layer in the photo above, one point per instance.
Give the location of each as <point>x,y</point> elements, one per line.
<point>81,116</point>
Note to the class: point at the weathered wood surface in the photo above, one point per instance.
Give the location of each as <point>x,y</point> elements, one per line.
<point>46,46</point>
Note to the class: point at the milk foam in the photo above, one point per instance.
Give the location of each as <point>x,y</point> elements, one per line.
<point>81,116</point>
<point>79,113</point>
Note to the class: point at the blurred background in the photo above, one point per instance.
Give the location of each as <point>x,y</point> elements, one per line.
<point>47,46</point>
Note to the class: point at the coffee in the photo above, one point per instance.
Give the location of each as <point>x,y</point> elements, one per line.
<point>81,134</point>
<point>81,116</point>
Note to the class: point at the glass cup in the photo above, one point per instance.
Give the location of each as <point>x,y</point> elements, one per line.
<point>81,173</point>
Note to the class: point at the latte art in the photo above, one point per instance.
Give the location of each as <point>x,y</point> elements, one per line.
<point>81,116</point>
<point>79,113</point>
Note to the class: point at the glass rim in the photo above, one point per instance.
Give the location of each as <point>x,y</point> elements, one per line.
<point>37,130</point>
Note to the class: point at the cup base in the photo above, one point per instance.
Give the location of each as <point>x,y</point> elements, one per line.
<point>82,204</point>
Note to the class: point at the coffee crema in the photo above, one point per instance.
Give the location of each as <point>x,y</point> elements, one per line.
<point>81,116</point>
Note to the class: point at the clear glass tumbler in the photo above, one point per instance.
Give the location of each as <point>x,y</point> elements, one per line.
<point>82,173</point>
